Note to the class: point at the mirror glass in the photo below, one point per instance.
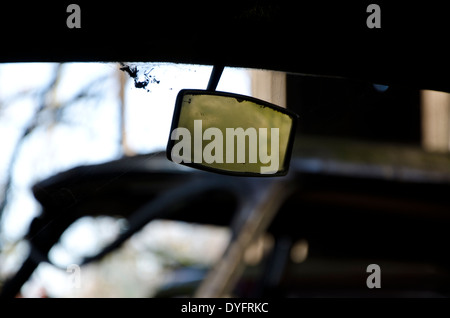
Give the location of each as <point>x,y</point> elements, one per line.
<point>231,134</point>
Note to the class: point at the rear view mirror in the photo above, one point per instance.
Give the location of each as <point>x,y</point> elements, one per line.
<point>231,134</point>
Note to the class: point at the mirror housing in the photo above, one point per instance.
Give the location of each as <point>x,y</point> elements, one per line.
<point>231,134</point>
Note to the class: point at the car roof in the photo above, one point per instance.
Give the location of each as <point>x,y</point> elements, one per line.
<point>325,39</point>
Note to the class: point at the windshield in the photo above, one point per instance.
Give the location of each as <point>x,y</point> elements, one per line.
<point>55,117</point>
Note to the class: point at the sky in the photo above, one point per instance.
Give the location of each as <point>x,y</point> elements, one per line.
<point>92,134</point>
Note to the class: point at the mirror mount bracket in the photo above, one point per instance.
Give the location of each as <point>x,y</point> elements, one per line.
<point>216,73</point>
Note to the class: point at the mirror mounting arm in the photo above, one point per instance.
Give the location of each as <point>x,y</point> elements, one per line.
<point>216,73</point>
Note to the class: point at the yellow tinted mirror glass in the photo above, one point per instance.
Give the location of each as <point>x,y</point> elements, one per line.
<point>230,133</point>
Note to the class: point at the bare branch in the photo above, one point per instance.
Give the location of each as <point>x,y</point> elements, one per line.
<point>87,92</point>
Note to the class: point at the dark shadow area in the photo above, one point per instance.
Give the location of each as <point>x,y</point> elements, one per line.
<point>361,189</point>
